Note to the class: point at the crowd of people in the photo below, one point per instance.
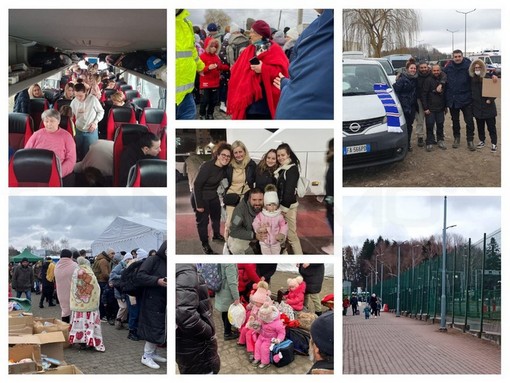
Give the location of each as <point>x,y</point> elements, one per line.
<point>255,73</point>
<point>262,327</point>
<point>258,201</point>
<point>76,130</point>
<point>427,93</point>
<point>91,294</point>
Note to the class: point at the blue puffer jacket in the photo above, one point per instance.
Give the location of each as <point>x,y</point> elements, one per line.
<point>458,84</point>
<point>308,93</point>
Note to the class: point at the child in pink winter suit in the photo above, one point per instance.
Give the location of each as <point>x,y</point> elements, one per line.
<point>271,221</point>
<point>271,331</point>
<point>295,298</point>
<point>249,332</point>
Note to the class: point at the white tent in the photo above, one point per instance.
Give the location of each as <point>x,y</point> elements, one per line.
<point>292,268</point>
<point>125,234</point>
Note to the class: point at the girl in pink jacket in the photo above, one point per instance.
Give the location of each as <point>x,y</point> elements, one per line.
<point>272,331</point>
<point>295,298</point>
<point>271,221</point>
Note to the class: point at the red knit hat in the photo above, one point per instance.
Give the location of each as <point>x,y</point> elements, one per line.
<point>262,28</point>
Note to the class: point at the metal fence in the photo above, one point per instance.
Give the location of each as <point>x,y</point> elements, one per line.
<point>473,287</point>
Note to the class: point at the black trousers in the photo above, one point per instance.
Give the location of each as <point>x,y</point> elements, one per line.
<point>467,112</point>
<point>491,127</point>
<point>212,210</point>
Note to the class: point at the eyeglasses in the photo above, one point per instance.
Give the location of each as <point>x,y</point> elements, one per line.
<point>225,155</point>
<point>477,67</point>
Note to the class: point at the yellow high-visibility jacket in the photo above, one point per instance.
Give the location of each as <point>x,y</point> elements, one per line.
<point>187,62</point>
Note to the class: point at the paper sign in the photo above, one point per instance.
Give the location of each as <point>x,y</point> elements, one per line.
<point>491,89</point>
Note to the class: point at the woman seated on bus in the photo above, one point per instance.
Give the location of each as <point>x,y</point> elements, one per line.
<point>68,92</point>
<point>58,141</point>
<point>118,99</point>
<point>35,91</point>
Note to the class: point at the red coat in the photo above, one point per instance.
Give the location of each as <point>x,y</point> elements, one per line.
<point>211,77</point>
<point>247,274</point>
<point>296,298</point>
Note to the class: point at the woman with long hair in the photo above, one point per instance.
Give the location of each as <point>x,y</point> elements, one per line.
<point>265,169</point>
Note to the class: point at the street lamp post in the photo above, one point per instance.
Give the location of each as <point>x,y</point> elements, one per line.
<point>397,312</point>
<point>442,326</point>
<point>465,28</point>
<point>452,32</point>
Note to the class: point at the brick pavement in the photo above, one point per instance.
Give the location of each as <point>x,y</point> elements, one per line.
<point>122,356</point>
<point>391,345</point>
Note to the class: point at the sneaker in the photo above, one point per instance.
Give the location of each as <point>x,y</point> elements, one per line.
<point>251,357</point>
<point>118,325</point>
<point>104,320</point>
<point>441,145</point>
<point>494,148</point>
<point>111,322</point>
<point>481,144</point>
<point>255,362</point>
<point>157,358</point>
<point>421,143</point>
<point>471,146</point>
<point>223,107</point>
<point>149,363</point>
<point>133,336</point>
<point>209,117</point>
<point>263,366</point>
<point>202,117</point>
<point>428,148</point>
<point>219,238</point>
<point>207,249</point>
<point>456,142</point>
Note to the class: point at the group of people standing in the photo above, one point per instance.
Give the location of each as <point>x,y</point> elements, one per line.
<point>427,93</point>
<point>257,81</point>
<point>260,201</point>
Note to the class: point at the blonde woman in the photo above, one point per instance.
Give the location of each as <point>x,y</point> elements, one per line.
<point>241,174</point>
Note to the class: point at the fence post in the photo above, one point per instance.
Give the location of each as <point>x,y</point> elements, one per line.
<point>467,286</point>
<point>482,296</point>
<point>453,289</point>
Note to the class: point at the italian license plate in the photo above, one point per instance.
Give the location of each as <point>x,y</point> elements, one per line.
<point>356,149</point>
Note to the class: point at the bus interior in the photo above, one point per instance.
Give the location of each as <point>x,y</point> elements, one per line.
<point>123,51</point>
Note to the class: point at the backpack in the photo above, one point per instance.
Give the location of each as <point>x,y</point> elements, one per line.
<point>300,338</point>
<point>128,283</point>
<point>236,48</point>
<point>282,354</point>
<point>212,275</point>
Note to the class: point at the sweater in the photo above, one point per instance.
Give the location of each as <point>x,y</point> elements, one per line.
<point>207,181</point>
<point>87,112</point>
<point>60,142</point>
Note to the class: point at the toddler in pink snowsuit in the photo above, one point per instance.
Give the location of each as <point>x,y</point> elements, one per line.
<point>272,330</point>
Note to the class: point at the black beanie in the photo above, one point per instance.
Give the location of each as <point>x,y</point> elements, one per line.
<point>65,253</point>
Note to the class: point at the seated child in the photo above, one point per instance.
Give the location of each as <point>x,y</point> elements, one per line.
<point>271,331</point>
<point>271,221</point>
<point>249,331</point>
<point>295,298</point>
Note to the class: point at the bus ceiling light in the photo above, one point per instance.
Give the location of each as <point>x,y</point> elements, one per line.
<point>29,43</point>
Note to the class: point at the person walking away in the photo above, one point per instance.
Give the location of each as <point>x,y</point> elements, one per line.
<point>84,302</point>
<point>313,275</point>
<point>23,279</point>
<point>195,333</point>
<point>48,282</point>
<point>484,108</point>
<point>151,277</point>
<point>64,271</point>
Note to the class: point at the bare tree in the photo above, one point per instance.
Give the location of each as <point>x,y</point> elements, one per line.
<point>218,17</point>
<point>376,29</point>
<point>64,243</point>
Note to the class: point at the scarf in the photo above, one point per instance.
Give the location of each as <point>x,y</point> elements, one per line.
<point>287,165</point>
<point>85,291</point>
<point>245,85</point>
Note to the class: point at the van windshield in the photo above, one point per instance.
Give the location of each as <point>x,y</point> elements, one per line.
<point>359,79</point>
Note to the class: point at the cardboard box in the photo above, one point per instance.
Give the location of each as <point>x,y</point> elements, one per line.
<point>69,370</point>
<point>21,323</point>
<point>51,343</point>
<point>22,351</point>
<point>491,89</point>
<point>42,325</point>
<point>20,329</point>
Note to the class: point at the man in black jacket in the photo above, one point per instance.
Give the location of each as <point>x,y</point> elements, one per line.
<point>322,344</point>
<point>148,146</point>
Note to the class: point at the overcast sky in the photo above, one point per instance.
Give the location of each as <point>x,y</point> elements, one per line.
<point>79,219</point>
<point>483,29</point>
<point>404,218</point>
<point>271,16</point>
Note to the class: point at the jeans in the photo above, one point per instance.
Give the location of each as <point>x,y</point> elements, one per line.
<point>134,311</point>
<point>187,109</point>
<point>28,294</point>
<point>83,142</point>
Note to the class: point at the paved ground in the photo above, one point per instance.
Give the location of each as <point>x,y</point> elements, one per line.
<point>218,114</point>
<point>122,356</point>
<point>391,345</point>
<point>234,359</point>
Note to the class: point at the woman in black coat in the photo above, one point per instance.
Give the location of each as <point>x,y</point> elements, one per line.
<point>313,275</point>
<point>196,345</point>
<point>406,89</point>
<point>152,320</point>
